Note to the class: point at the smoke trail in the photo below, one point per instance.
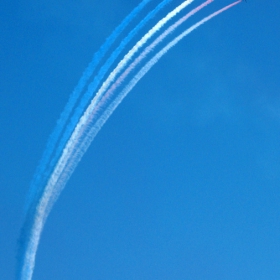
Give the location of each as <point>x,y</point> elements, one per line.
<point>114,104</point>
<point>81,146</point>
<point>75,149</point>
<point>54,137</point>
<point>40,193</point>
<point>93,85</point>
<point>87,118</point>
<point>134,50</point>
<point>84,119</point>
<point>93,108</point>
<point>77,146</point>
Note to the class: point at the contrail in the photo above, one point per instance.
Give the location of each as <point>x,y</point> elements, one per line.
<point>32,221</point>
<point>81,129</point>
<point>40,176</point>
<point>114,104</point>
<point>134,50</point>
<point>94,104</point>
<point>93,86</point>
<point>78,152</point>
<point>78,145</point>
<point>79,142</point>
<point>93,108</point>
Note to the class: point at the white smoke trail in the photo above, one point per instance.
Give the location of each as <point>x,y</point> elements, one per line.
<point>81,141</point>
<point>114,104</point>
<point>134,50</point>
<point>142,56</point>
<point>77,146</point>
<point>41,172</point>
<point>86,98</point>
<point>83,124</point>
<point>52,189</point>
<point>80,144</point>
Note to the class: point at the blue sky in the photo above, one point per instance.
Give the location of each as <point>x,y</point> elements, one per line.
<point>183,180</point>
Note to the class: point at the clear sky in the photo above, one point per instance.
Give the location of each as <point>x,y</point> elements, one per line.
<point>183,181</point>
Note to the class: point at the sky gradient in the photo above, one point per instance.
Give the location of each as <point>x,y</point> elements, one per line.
<point>183,180</point>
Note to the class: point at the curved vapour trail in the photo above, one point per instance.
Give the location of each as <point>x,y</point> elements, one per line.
<point>114,104</point>
<point>53,193</point>
<point>81,146</point>
<point>93,108</point>
<point>32,222</point>
<point>127,58</point>
<point>73,153</point>
<point>40,175</point>
<point>91,111</point>
<point>92,88</point>
<point>84,134</point>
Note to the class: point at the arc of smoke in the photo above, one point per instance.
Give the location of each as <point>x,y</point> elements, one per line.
<point>80,144</point>
<point>81,147</point>
<point>73,154</point>
<point>127,58</point>
<point>93,85</point>
<point>54,137</point>
<point>93,107</point>
<point>39,217</point>
<point>54,186</point>
<point>83,121</point>
<point>86,121</point>
<point>92,112</point>
<point>141,73</point>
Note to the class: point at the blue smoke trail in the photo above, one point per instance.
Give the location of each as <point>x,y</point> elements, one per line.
<point>109,81</point>
<point>91,89</point>
<point>43,171</point>
<point>127,58</point>
<point>82,143</point>
<point>40,175</point>
<point>86,129</point>
<point>104,69</point>
<point>26,255</point>
<point>73,151</point>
